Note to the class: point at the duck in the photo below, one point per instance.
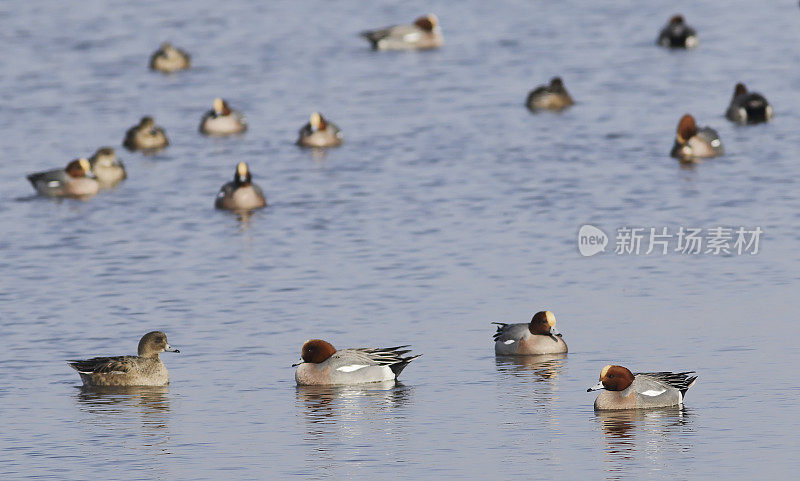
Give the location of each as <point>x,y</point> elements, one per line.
<point>549,97</point>
<point>540,336</point>
<point>625,390</point>
<point>424,33</point>
<point>107,168</point>
<point>692,143</point>
<point>241,194</point>
<point>145,136</point>
<point>322,364</point>
<point>144,369</point>
<point>320,132</point>
<point>221,120</point>
<point>169,59</point>
<point>748,107</point>
<point>676,34</point>
<point>75,180</point>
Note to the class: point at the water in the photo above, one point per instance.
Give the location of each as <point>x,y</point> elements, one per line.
<point>448,207</point>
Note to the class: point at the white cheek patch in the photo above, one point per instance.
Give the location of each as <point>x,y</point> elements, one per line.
<point>351,367</point>
<point>510,341</point>
<point>652,392</point>
<point>715,143</point>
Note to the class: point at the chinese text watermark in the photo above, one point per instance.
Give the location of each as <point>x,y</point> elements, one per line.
<point>661,240</point>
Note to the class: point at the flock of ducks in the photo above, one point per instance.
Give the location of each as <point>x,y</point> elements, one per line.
<point>321,363</point>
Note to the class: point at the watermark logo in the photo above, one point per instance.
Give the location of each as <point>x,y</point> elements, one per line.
<point>660,240</point>
<point>591,240</point>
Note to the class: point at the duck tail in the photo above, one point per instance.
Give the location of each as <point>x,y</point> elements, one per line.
<point>398,367</point>
<point>688,383</point>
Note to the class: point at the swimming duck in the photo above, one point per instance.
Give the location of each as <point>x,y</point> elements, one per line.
<point>221,120</point>
<point>549,97</point>
<point>625,390</point>
<point>692,143</point>
<point>540,336</point>
<point>322,364</point>
<point>146,136</point>
<point>424,33</point>
<point>676,34</point>
<point>170,59</point>
<point>76,180</point>
<point>146,369</point>
<point>748,107</point>
<point>241,194</point>
<point>108,169</point>
<point>319,132</point>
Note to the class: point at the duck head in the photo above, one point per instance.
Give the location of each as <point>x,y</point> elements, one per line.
<point>613,378</point>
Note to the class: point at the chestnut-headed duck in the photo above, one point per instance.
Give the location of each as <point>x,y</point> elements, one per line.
<point>549,97</point>
<point>748,107</point>
<point>146,136</point>
<point>692,143</point>
<point>108,169</point>
<point>145,369</point>
<point>169,59</point>
<point>322,364</point>
<point>240,194</point>
<point>424,33</point>
<point>221,120</point>
<point>76,180</point>
<point>540,336</point>
<point>320,132</point>
<point>676,34</point>
<point>625,390</point>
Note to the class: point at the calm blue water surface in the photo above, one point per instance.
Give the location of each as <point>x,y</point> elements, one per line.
<point>449,206</point>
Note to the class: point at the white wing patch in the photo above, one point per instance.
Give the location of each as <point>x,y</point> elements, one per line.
<point>652,392</point>
<point>412,37</point>
<point>351,367</point>
<point>53,183</point>
<point>510,341</point>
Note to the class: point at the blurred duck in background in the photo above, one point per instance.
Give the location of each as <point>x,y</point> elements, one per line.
<point>169,59</point>
<point>221,120</point>
<point>549,97</point>
<point>319,132</point>
<point>692,143</point>
<point>424,33</point>
<point>107,168</point>
<point>748,107</point>
<point>676,34</point>
<point>145,136</point>
<point>241,194</point>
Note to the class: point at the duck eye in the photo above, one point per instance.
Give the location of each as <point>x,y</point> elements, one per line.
<point>610,376</point>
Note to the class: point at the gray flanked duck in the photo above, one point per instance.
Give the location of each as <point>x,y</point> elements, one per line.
<point>424,33</point>
<point>76,180</point>
<point>145,136</point>
<point>169,59</point>
<point>748,107</point>
<point>107,168</point>
<point>145,369</point>
<point>692,143</point>
<point>623,389</point>
<point>676,34</point>
<point>222,120</point>
<point>540,336</point>
<point>549,97</point>
<point>319,132</point>
<point>241,194</point>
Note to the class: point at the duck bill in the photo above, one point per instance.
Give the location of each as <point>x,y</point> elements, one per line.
<point>554,333</point>
<point>596,387</point>
<point>297,364</point>
<point>169,348</point>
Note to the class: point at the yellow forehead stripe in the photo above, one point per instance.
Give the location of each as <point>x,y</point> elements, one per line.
<point>85,165</point>
<point>551,318</point>
<point>604,371</point>
<point>218,104</point>
<point>315,120</point>
<point>241,168</point>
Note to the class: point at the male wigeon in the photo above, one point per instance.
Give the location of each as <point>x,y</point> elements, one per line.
<point>692,143</point>
<point>76,180</point>
<point>676,34</point>
<point>322,364</point>
<point>540,336</point>
<point>146,369</point>
<point>748,107</point>
<point>221,120</point>
<point>145,136</point>
<point>108,169</point>
<point>320,132</point>
<point>549,97</point>
<point>169,59</point>
<point>424,33</point>
<point>625,390</point>
<point>241,194</point>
